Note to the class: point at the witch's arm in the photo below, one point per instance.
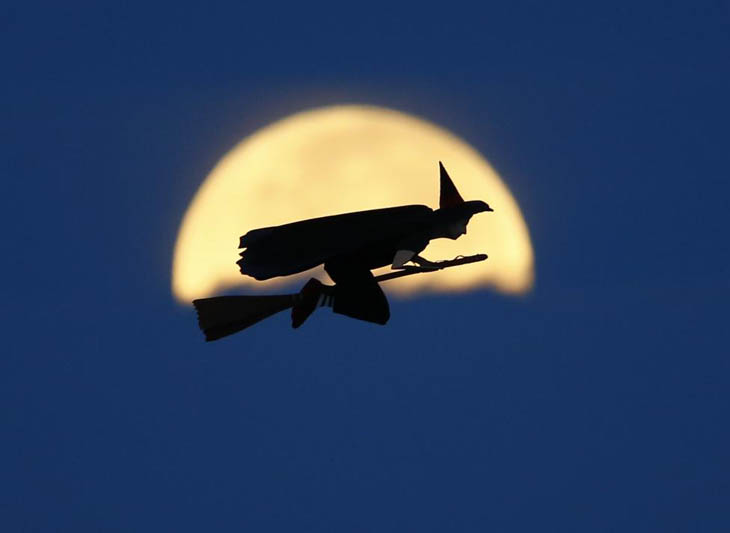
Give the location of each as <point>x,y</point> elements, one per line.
<point>403,256</point>
<point>400,259</point>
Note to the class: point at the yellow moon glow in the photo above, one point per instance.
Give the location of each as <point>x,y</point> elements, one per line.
<point>348,158</point>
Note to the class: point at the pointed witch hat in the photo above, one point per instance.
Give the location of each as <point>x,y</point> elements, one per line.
<point>449,196</point>
<point>451,204</point>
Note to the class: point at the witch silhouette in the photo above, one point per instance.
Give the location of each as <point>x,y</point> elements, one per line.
<point>350,246</point>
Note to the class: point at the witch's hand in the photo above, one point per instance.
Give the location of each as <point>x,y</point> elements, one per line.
<point>424,263</point>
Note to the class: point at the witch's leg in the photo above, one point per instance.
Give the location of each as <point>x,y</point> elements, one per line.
<point>357,294</point>
<point>307,301</point>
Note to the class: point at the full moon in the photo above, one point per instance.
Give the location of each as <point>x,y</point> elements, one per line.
<point>340,159</point>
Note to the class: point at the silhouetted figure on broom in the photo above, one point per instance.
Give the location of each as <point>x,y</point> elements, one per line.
<point>349,246</point>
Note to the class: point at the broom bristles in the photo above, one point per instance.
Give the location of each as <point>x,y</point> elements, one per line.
<point>221,316</point>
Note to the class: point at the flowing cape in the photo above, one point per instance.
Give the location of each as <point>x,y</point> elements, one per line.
<point>299,246</point>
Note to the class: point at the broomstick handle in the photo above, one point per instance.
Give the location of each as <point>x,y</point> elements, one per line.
<point>440,266</point>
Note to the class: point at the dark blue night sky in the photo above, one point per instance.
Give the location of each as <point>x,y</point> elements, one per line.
<point>600,402</point>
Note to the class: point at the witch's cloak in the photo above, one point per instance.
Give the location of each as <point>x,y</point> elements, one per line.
<point>371,237</point>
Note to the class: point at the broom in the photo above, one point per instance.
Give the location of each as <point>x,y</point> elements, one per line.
<point>221,316</point>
